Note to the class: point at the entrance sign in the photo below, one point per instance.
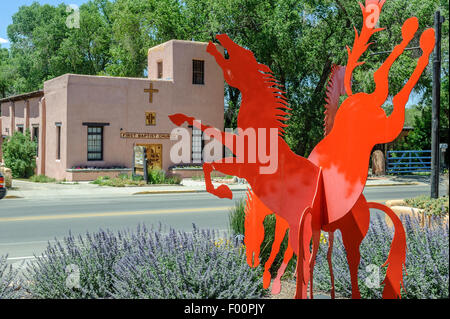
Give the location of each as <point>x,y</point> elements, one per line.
<point>323,191</point>
<point>140,162</point>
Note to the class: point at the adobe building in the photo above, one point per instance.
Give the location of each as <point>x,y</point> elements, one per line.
<point>87,126</point>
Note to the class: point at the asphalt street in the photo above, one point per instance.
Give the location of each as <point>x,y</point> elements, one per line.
<point>26,225</point>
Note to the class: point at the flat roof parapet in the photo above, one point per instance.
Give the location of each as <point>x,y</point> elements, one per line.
<point>22,97</point>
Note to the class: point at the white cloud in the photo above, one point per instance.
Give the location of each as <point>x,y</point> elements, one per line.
<point>3,41</point>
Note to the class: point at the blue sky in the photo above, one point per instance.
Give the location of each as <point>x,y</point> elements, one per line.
<point>9,7</point>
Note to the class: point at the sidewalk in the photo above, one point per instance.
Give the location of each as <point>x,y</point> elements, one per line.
<point>30,190</point>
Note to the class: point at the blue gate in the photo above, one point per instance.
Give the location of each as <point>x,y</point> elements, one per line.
<point>408,161</point>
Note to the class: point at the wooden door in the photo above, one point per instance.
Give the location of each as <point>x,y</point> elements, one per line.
<point>154,155</point>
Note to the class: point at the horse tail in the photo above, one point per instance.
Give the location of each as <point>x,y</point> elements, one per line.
<point>395,262</point>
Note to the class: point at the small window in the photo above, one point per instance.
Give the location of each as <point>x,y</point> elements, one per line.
<point>160,70</point>
<point>198,74</point>
<point>58,142</point>
<point>20,128</point>
<point>36,138</point>
<point>95,143</point>
<point>150,118</point>
<point>197,145</point>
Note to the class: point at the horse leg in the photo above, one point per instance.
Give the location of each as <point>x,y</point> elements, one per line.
<point>312,261</point>
<point>393,282</point>
<point>223,191</point>
<point>354,227</point>
<point>330,265</point>
<point>281,226</point>
<point>276,286</point>
<point>396,119</point>
<point>381,75</point>
<point>304,239</point>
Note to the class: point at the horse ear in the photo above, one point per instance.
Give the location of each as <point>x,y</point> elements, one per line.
<point>264,68</point>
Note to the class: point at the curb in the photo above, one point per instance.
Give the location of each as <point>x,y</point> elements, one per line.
<point>181,192</point>
<point>12,197</point>
<point>394,184</point>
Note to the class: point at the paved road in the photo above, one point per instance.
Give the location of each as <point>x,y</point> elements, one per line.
<point>27,225</point>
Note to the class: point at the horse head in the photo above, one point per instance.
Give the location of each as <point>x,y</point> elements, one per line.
<point>241,68</point>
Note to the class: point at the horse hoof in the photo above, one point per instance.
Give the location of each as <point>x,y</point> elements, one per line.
<point>223,191</point>
<point>266,279</point>
<point>276,286</point>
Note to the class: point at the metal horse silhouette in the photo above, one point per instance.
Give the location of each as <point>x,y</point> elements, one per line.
<point>323,191</point>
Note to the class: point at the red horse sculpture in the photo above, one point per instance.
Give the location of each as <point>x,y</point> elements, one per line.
<point>323,192</point>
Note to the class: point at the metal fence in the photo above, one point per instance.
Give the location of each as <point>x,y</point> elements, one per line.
<point>408,161</point>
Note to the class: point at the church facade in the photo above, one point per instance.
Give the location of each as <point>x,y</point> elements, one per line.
<point>87,126</point>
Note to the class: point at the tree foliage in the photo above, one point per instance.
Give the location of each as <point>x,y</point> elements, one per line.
<point>19,154</point>
<point>298,40</point>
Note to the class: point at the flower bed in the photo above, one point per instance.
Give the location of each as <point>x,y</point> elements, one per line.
<point>80,174</point>
<point>146,263</point>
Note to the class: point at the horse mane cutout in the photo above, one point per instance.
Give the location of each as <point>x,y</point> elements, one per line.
<point>333,93</point>
<point>277,108</point>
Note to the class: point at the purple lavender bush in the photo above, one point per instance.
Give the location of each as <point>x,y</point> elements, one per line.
<point>148,263</point>
<point>9,286</point>
<point>181,265</point>
<point>427,261</point>
<point>87,260</point>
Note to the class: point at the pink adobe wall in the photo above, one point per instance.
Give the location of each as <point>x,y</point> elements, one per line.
<point>56,112</point>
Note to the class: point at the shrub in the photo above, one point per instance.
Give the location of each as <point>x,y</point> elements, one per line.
<point>432,206</point>
<point>19,154</point>
<point>156,177</point>
<point>146,263</point>
<point>92,257</point>
<point>160,177</point>
<point>181,265</point>
<point>427,261</point>
<point>9,288</point>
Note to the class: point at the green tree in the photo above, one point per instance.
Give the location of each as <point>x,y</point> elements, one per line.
<point>19,154</point>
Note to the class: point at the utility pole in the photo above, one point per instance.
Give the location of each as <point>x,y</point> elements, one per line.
<point>438,20</point>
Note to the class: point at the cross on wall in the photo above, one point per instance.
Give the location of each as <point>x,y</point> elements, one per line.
<point>151,90</point>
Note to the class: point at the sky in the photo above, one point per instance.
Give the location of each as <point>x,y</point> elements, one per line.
<point>9,7</point>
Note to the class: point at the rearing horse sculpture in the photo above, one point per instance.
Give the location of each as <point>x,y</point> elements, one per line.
<point>323,192</point>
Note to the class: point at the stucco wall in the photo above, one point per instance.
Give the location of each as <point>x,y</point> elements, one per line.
<point>56,112</point>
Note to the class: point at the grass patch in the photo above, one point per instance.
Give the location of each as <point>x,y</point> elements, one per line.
<point>155,177</point>
<point>122,180</point>
<point>42,179</point>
